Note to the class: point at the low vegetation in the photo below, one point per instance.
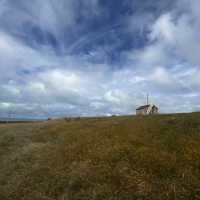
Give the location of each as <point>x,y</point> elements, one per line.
<point>117,158</point>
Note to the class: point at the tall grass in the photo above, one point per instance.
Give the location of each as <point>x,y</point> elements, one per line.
<point>156,157</point>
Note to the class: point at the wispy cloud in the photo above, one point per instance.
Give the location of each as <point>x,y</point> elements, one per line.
<point>79,58</point>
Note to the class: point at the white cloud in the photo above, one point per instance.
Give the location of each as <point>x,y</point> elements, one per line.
<point>37,88</point>
<point>16,56</point>
<point>164,29</point>
<point>113,97</point>
<point>61,80</point>
<point>194,79</point>
<point>12,90</point>
<point>5,105</point>
<point>179,34</point>
<point>52,16</point>
<point>153,55</point>
<point>162,76</point>
<point>39,81</point>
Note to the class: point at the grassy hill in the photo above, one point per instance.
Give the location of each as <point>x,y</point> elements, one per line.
<point>117,158</point>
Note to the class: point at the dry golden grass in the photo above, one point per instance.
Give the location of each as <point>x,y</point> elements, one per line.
<point>118,158</point>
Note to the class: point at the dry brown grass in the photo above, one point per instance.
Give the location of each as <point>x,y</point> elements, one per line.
<point>118,158</point>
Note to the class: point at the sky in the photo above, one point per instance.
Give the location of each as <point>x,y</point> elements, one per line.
<point>98,57</point>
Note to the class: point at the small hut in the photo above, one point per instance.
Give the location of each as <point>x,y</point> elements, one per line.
<point>147,110</point>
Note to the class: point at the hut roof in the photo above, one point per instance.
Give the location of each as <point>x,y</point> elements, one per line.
<point>143,107</point>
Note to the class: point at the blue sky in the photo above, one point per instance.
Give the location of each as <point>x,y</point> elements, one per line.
<point>98,57</point>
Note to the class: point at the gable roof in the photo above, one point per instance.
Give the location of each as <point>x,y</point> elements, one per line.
<point>145,106</point>
<point>142,107</point>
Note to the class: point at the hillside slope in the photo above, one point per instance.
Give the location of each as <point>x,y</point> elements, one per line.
<point>116,158</point>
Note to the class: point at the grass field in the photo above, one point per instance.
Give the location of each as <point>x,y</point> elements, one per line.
<point>117,158</point>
